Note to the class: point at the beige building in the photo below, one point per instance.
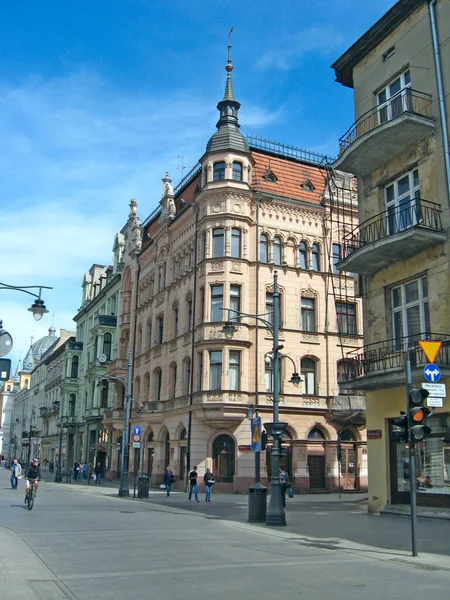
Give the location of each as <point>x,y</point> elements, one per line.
<point>398,147</point>
<point>248,209</point>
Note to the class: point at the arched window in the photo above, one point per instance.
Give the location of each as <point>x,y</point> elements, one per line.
<point>302,258</point>
<point>263,248</point>
<point>149,335</point>
<point>72,404</point>
<point>315,257</point>
<point>276,250</point>
<point>236,243</point>
<point>158,385</point>
<point>348,436</point>
<point>139,340</point>
<point>187,375</point>
<point>146,387</point>
<point>151,436</point>
<point>219,171</point>
<point>74,369</point>
<point>107,342</point>
<point>237,171</point>
<point>104,396</point>
<point>167,451</point>
<point>315,434</point>
<point>308,372</point>
<point>173,380</point>
<point>218,238</point>
<point>183,434</point>
<point>224,458</point>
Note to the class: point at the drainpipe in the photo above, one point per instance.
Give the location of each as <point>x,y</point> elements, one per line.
<point>440,86</point>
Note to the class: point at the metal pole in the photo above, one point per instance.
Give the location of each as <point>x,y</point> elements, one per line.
<point>58,476</point>
<point>275,513</point>
<point>412,462</point>
<point>124,489</point>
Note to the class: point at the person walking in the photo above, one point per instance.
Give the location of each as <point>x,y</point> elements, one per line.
<point>193,487</point>
<point>16,472</point>
<point>208,478</point>
<point>85,468</point>
<point>168,480</point>
<point>90,472</point>
<point>284,482</point>
<point>98,473</point>
<point>76,471</point>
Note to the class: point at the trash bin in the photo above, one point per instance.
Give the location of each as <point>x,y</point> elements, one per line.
<point>257,503</point>
<point>143,486</point>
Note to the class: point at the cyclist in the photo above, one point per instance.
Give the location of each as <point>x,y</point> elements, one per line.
<point>33,473</point>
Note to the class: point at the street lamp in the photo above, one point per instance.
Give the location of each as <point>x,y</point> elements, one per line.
<point>124,490</point>
<point>275,513</point>
<point>38,307</point>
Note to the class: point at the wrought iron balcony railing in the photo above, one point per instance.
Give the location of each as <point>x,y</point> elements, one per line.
<point>390,355</point>
<point>406,101</point>
<point>413,213</point>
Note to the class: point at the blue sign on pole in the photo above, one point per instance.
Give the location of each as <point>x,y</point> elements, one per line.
<point>432,373</point>
<point>256,434</point>
<point>137,430</point>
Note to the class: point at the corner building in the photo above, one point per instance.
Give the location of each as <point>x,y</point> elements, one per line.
<point>249,207</point>
<point>399,149</point>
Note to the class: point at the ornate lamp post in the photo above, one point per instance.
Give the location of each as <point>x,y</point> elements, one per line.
<point>38,307</point>
<point>275,513</point>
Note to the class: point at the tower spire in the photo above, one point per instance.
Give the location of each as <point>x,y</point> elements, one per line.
<point>229,94</point>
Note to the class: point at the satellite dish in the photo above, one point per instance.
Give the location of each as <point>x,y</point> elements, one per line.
<point>102,358</point>
<point>6,342</point>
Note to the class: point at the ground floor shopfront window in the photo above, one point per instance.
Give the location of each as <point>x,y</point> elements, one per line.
<point>432,478</point>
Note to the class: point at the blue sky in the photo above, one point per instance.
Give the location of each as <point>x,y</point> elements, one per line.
<point>99,99</point>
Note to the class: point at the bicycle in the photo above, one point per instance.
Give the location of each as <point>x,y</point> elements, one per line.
<point>31,495</point>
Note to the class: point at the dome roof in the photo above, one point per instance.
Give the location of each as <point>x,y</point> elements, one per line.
<point>37,349</point>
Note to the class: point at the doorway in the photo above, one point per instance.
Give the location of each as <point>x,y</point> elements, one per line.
<point>348,468</point>
<point>316,468</point>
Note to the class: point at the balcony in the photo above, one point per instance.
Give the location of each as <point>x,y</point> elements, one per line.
<point>391,236</point>
<point>382,364</point>
<point>75,346</point>
<point>105,322</point>
<point>384,132</point>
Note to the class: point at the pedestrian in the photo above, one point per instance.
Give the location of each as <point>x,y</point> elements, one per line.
<point>168,480</point>
<point>193,487</point>
<point>98,473</point>
<point>85,468</point>
<point>51,466</point>
<point>16,472</point>
<point>208,478</point>
<point>90,472</point>
<point>284,482</point>
<point>76,470</point>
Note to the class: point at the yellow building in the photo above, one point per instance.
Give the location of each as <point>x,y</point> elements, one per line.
<point>399,149</point>
<point>249,208</point>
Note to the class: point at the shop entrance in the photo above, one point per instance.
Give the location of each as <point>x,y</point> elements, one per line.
<point>348,468</point>
<point>316,468</point>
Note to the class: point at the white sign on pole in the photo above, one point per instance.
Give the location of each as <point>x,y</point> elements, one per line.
<point>435,402</point>
<point>438,390</point>
<point>136,444</point>
<point>136,438</point>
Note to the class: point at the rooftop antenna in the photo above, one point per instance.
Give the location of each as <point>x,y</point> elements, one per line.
<point>181,167</point>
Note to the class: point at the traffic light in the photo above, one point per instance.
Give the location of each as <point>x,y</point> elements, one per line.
<point>418,414</point>
<point>400,433</point>
<point>263,440</point>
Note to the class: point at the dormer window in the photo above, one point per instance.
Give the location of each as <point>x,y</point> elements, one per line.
<point>307,185</point>
<point>270,176</point>
<point>237,171</point>
<point>219,171</point>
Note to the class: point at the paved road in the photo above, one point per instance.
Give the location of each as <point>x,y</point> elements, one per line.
<point>84,543</point>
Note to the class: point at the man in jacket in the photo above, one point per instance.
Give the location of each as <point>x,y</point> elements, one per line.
<point>193,487</point>
<point>16,472</point>
<point>32,474</point>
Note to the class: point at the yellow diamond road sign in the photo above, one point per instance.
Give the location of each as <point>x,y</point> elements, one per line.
<point>430,349</point>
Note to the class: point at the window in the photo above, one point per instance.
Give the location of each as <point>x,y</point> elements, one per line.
<point>200,371</point>
<point>307,186</point>
<point>160,322</point>
<point>276,248</point>
<point>202,304</point>
<point>237,171</point>
<point>180,268</point>
<point>173,380</point>
<point>235,303</point>
<point>263,248</point>
<point>216,303</point>
<point>269,308</point>
<point>158,385</point>
<point>149,333</point>
<point>215,370</point>
<point>315,256</point>
<point>395,98</point>
<point>107,343</point>
<point>402,202</point>
<point>72,404</point>
<point>187,375</point>
<point>223,458</point>
<point>235,243</point>
<point>74,369</point>
<point>104,396</point>
<point>218,238</point>
<point>219,171</point>
<point>269,375</point>
<point>308,314</point>
<point>346,318</point>
<point>336,257</point>
<point>270,176</point>
<point>308,373</point>
<point>235,370</point>
<point>146,387</point>
<point>205,244</point>
<point>302,258</point>
<point>189,314</point>
<point>411,319</point>
<point>175,321</point>
<point>139,340</point>
<point>315,434</point>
